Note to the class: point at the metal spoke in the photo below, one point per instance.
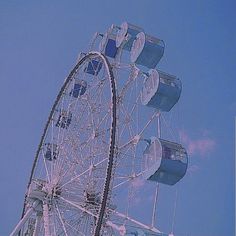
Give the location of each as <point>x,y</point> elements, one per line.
<point>63,225</point>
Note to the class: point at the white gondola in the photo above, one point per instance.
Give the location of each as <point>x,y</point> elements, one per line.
<point>79,88</point>
<point>126,35</point>
<point>64,119</point>
<point>147,50</point>
<point>108,43</point>
<point>161,91</point>
<point>93,68</point>
<point>51,151</point>
<point>164,161</point>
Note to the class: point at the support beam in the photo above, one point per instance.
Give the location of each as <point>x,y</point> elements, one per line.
<point>37,224</point>
<point>24,219</point>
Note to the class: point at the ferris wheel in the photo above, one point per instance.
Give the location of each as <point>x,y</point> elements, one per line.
<point>102,142</point>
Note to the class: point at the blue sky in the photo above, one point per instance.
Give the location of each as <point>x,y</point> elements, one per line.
<point>39,43</point>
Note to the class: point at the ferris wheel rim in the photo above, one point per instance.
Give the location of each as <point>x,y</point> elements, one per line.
<point>89,55</point>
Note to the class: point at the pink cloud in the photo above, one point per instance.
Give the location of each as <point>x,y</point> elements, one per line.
<point>201,147</point>
<point>192,169</point>
<point>138,183</point>
<point>136,200</point>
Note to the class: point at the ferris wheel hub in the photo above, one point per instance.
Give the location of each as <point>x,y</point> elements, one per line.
<point>43,191</point>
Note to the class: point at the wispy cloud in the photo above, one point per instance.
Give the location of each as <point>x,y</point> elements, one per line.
<point>192,169</point>
<point>202,146</point>
<point>138,183</point>
<point>134,190</point>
